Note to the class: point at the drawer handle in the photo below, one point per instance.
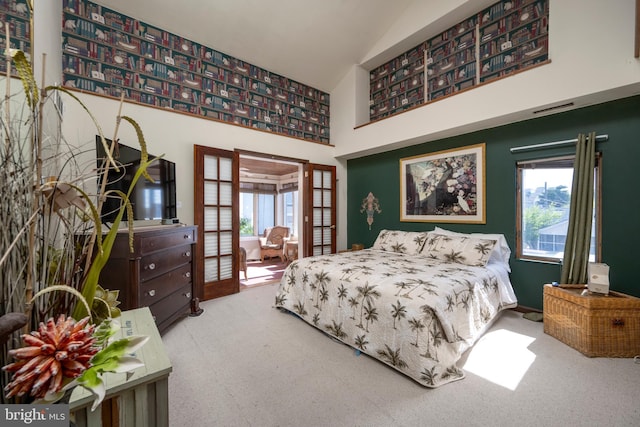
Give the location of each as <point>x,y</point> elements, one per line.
<point>151,266</point>
<point>187,236</point>
<point>187,254</point>
<point>152,293</point>
<point>618,322</point>
<point>187,274</point>
<point>187,295</point>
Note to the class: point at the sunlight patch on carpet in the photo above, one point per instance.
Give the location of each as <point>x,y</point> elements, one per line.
<point>261,273</point>
<point>501,357</point>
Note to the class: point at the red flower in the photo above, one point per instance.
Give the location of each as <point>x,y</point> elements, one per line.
<point>55,352</point>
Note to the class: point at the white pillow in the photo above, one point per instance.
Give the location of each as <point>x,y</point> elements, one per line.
<point>501,252</point>
<point>406,242</point>
<point>466,249</point>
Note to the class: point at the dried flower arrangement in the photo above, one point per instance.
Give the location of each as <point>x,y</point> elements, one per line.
<point>52,249</point>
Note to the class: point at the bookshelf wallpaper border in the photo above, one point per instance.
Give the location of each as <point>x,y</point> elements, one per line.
<point>16,14</point>
<point>107,53</point>
<point>503,39</point>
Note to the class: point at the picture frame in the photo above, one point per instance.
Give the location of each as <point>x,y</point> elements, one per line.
<point>444,186</point>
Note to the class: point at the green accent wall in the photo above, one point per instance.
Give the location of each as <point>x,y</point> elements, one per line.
<point>619,119</point>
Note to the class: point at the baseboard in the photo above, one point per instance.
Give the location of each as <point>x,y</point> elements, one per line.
<point>524,309</point>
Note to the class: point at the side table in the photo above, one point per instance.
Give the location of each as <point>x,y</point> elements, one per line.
<point>290,249</point>
<point>141,400</point>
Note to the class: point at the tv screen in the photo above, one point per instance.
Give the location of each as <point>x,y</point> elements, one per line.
<point>150,200</point>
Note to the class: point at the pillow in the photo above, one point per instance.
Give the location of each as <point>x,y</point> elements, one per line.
<point>467,250</point>
<point>406,242</point>
<point>501,252</point>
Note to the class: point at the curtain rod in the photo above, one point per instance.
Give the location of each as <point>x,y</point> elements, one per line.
<point>599,138</point>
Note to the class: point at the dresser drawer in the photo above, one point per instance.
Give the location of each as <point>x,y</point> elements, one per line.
<point>154,290</point>
<point>158,263</point>
<point>174,304</point>
<point>158,242</point>
<point>157,273</point>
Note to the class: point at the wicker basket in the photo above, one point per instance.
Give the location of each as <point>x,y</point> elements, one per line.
<point>596,326</point>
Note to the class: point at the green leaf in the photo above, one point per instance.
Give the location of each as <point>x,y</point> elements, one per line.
<point>99,390</point>
<point>105,330</point>
<point>92,382</point>
<point>109,364</point>
<point>101,257</point>
<point>113,350</point>
<point>89,378</point>
<point>128,364</point>
<point>117,349</point>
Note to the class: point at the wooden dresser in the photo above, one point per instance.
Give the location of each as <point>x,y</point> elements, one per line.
<point>158,273</point>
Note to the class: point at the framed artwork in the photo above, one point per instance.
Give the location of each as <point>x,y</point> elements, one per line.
<point>445,186</point>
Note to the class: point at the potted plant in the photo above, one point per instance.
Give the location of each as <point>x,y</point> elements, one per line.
<point>52,249</point>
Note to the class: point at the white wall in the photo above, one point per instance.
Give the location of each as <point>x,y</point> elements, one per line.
<point>591,46</point>
<point>419,22</point>
<point>174,135</point>
<point>45,44</point>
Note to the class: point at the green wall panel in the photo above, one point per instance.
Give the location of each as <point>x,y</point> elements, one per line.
<point>619,119</point>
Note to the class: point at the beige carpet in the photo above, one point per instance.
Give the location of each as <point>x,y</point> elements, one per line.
<point>245,363</point>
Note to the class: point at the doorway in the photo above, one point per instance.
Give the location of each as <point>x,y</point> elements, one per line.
<point>217,215</point>
<point>270,195</point>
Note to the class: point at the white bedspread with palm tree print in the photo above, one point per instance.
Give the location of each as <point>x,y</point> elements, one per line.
<point>417,315</point>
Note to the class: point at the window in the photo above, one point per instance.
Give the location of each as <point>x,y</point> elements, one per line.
<point>152,202</point>
<point>290,210</point>
<point>257,208</point>
<point>544,197</point>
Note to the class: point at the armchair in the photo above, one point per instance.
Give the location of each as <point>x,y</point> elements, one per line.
<point>272,242</point>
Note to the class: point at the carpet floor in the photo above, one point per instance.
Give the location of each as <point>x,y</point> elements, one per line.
<point>245,363</point>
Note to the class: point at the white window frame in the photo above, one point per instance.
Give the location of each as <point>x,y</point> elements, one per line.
<point>256,210</point>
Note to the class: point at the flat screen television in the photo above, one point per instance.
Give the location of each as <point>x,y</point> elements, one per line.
<point>150,200</point>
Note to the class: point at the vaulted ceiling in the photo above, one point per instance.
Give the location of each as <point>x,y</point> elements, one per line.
<point>314,42</point>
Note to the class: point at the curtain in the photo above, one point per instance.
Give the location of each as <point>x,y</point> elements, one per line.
<point>576,249</point>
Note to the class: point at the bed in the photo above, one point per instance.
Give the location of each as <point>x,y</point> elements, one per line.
<point>416,301</point>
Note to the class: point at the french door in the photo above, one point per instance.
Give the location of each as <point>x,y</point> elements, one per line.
<point>216,212</point>
<point>319,209</point>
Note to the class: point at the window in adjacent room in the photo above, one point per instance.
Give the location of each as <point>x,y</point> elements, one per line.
<point>257,207</point>
<point>290,206</point>
<point>543,199</point>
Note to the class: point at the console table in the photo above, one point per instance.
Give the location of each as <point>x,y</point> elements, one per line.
<point>141,400</point>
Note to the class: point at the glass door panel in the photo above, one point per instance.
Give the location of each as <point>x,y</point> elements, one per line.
<point>321,212</point>
<point>215,207</point>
